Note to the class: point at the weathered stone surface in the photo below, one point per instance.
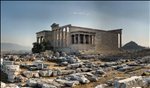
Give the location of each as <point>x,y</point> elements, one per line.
<point>28,74</point>
<point>3,85</point>
<point>36,75</point>
<point>11,78</point>
<point>72,83</point>
<point>110,82</point>
<point>31,83</point>
<point>135,81</point>
<point>43,73</point>
<point>49,73</point>
<point>12,86</point>
<point>85,69</point>
<point>64,63</point>
<point>101,86</point>
<point>147,81</point>
<point>92,79</point>
<point>64,54</point>
<point>59,72</point>
<point>78,70</point>
<point>100,72</point>
<point>57,54</point>
<point>54,73</point>
<point>20,78</point>
<point>33,68</point>
<point>12,68</point>
<point>80,78</point>
<point>65,72</point>
<point>39,84</point>
<point>60,80</point>
<point>75,65</point>
<point>48,86</point>
<point>16,63</point>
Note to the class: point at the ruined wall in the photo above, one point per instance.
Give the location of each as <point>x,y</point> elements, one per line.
<point>47,35</point>
<point>106,41</point>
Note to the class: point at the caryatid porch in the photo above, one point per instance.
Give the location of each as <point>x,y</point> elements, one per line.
<point>82,37</point>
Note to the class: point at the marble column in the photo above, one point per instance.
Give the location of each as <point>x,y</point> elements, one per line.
<point>66,37</point>
<point>84,39</point>
<point>120,40</point>
<point>62,37</point>
<point>60,42</point>
<point>69,37</point>
<point>54,38</point>
<point>74,38</point>
<point>57,38</point>
<point>41,40</point>
<point>93,39</point>
<point>88,39</point>
<point>79,41</point>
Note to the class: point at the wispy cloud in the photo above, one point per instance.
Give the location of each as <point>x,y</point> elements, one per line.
<point>81,13</point>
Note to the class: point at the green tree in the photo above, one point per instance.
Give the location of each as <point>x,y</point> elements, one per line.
<point>41,47</point>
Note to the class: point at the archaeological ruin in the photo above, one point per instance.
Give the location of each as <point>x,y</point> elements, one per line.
<point>73,39</point>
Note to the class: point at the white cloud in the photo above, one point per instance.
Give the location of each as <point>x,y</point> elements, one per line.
<point>81,13</point>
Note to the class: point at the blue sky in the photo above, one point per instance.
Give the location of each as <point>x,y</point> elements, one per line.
<point>20,20</point>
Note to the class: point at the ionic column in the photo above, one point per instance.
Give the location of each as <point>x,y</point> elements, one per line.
<point>66,37</point>
<point>55,35</point>
<point>58,37</point>
<point>79,39</point>
<point>54,38</point>
<point>56,32</point>
<point>69,37</point>
<point>89,39</point>
<point>84,39</point>
<point>74,38</point>
<point>62,37</point>
<point>120,40</point>
<point>60,40</point>
<point>93,39</point>
<point>41,40</point>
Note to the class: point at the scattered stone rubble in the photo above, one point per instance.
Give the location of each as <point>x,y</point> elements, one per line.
<point>11,70</point>
<point>76,72</point>
<point>135,81</point>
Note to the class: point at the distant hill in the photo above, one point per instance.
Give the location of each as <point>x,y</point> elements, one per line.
<point>132,46</point>
<point>14,47</point>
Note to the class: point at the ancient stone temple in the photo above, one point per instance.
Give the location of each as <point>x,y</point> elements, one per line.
<point>74,39</point>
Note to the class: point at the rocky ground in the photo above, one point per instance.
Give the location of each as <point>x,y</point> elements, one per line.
<point>112,69</point>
